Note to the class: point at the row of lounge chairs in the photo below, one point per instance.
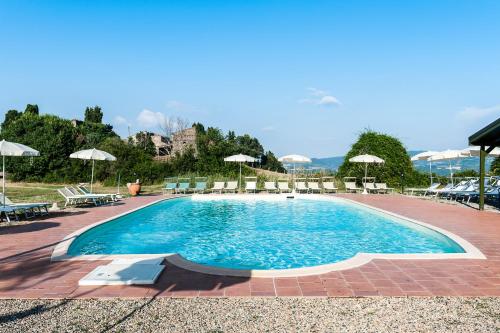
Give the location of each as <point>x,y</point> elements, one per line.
<point>466,190</point>
<point>302,185</point>
<point>10,209</point>
<point>80,195</point>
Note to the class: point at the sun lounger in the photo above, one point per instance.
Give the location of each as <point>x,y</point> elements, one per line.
<point>301,187</point>
<point>382,188</point>
<point>270,187</point>
<point>6,211</point>
<point>75,199</point>
<point>34,207</point>
<point>351,187</point>
<point>251,184</point>
<point>283,187</point>
<point>110,196</point>
<point>200,187</point>
<point>183,186</point>
<point>370,187</point>
<point>218,187</point>
<point>169,186</point>
<point>313,187</point>
<point>329,187</point>
<point>231,186</point>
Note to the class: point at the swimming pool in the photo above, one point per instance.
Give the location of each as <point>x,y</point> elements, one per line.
<point>260,234</point>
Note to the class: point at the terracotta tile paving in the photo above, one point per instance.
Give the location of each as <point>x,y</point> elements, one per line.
<point>27,272</point>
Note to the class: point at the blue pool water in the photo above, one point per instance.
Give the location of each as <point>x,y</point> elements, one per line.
<point>260,234</point>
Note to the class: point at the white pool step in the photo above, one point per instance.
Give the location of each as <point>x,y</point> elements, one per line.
<point>125,272</point>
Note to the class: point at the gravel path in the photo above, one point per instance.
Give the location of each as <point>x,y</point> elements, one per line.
<point>375,314</point>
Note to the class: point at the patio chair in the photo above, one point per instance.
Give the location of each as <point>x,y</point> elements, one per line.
<point>231,186</point>
<point>250,184</point>
<point>169,186</point>
<point>350,185</point>
<point>77,199</point>
<point>84,190</point>
<point>413,191</point>
<point>200,185</point>
<point>218,187</point>
<point>6,211</point>
<point>300,186</point>
<point>313,185</point>
<point>34,207</point>
<point>382,188</point>
<point>270,187</point>
<point>283,187</point>
<point>183,186</point>
<point>329,187</point>
<point>370,187</point>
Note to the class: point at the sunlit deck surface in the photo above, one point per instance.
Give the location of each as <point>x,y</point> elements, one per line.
<point>26,270</point>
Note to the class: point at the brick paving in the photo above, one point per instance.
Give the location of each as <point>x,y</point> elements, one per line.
<point>27,272</point>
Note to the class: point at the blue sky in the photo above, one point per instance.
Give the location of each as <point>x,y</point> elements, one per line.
<point>303,76</point>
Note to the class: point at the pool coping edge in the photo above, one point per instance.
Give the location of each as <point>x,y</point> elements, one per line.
<point>471,252</point>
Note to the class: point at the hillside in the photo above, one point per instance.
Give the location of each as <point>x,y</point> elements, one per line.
<point>440,168</point>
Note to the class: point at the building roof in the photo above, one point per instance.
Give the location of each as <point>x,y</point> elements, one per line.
<point>487,136</point>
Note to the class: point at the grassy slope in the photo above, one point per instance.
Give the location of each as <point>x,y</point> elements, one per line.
<point>41,192</point>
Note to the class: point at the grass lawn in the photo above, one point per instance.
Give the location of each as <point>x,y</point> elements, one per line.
<point>42,192</point>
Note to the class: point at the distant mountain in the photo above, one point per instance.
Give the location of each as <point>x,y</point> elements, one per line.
<point>328,163</point>
<point>440,168</point>
<point>443,167</point>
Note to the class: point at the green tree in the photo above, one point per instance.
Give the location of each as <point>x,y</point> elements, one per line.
<point>495,167</point>
<point>11,116</point>
<point>31,109</point>
<point>270,162</point>
<point>397,164</point>
<point>143,141</point>
<point>93,114</point>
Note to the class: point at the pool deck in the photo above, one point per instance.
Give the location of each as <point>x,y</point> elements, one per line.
<point>26,270</point>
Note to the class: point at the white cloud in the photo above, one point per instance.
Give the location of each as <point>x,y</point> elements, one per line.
<point>268,128</point>
<point>176,105</point>
<point>148,118</point>
<point>119,120</point>
<point>328,100</point>
<point>475,113</point>
<point>320,97</point>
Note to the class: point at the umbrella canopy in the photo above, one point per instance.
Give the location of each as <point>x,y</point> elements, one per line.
<point>474,151</point>
<point>425,156</point>
<point>448,155</point>
<point>240,158</point>
<point>295,159</point>
<point>93,154</point>
<point>367,159</point>
<point>16,149</point>
<point>13,149</point>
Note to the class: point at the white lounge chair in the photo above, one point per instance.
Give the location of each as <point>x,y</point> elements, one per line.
<point>231,186</point>
<point>34,207</point>
<point>413,191</point>
<point>270,187</point>
<point>313,186</point>
<point>329,187</point>
<point>300,186</point>
<point>382,188</point>
<point>351,187</point>
<point>250,184</point>
<point>283,187</point>
<point>218,187</point>
<point>73,199</point>
<point>370,187</point>
<point>110,196</point>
